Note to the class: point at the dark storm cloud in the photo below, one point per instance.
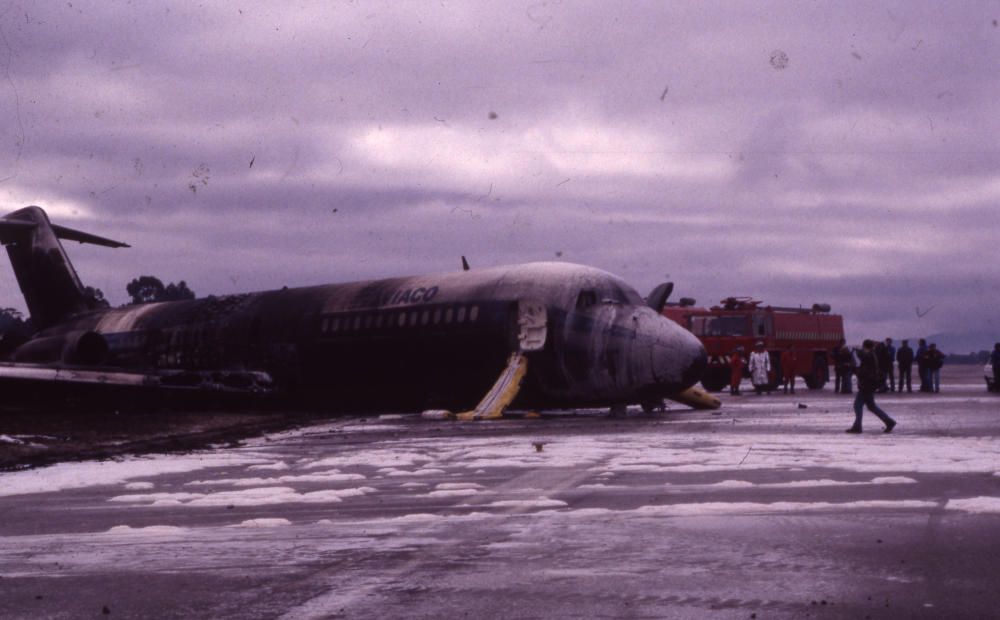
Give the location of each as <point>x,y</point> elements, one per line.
<point>652,140</point>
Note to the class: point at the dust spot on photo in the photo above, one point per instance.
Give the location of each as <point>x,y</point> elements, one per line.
<point>779,59</point>
<point>201,176</point>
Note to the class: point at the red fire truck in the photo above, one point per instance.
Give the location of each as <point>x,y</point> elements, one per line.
<point>741,322</point>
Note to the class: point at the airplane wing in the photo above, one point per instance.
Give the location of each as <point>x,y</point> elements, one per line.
<point>39,384</point>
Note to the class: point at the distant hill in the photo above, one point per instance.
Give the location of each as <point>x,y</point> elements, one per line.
<point>963,343</point>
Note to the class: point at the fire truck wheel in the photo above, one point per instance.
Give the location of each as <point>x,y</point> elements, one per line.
<point>818,378</point>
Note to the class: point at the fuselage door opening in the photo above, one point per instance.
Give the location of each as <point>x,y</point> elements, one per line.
<point>531,325</point>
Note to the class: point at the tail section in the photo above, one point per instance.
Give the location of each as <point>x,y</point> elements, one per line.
<point>47,279</point>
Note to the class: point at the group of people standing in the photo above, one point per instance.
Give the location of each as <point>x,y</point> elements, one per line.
<point>872,364</point>
<point>928,359</point>
<point>759,366</point>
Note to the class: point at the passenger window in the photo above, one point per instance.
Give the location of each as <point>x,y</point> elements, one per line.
<point>401,319</point>
<point>447,315</point>
<point>474,313</point>
<point>586,299</point>
<point>413,319</point>
<point>460,315</point>
<point>368,321</point>
<point>425,318</point>
<point>357,322</point>
<point>437,315</point>
<point>378,321</point>
<point>334,324</point>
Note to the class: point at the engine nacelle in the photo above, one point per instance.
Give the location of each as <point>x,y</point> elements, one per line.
<point>85,348</point>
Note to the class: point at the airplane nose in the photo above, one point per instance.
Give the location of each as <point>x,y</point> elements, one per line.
<point>692,374</point>
<point>679,359</point>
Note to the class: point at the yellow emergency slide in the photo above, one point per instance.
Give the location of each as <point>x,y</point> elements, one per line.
<point>697,398</point>
<point>503,391</point>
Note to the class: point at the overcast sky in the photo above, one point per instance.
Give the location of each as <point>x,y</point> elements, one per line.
<point>796,152</point>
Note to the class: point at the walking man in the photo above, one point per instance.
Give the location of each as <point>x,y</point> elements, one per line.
<point>867,384</point>
<point>904,357</point>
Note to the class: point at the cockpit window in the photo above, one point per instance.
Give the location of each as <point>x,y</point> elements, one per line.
<point>615,295</point>
<point>586,299</point>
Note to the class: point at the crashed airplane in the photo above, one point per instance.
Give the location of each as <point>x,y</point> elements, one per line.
<point>533,336</point>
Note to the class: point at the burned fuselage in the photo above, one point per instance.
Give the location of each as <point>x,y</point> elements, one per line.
<point>436,341</point>
<point>416,342</point>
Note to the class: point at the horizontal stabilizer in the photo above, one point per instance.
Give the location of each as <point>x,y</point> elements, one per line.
<point>75,235</point>
<point>12,229</point>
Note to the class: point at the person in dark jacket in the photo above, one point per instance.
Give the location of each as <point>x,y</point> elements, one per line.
<point>882,357</point>
<point>867,384</point>
<point>838,376</point>
<point>995,362</point>
<point>789,364</point>
<point>845,367</point>
<point>904,357</point>
<point>890,352</point>
<point>922,365</point>
<point>935,360</point>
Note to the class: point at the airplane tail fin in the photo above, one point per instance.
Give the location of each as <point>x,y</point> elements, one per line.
<point>50,286</point>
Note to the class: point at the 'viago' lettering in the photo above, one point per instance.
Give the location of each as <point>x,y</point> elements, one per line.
<point>411,296</point>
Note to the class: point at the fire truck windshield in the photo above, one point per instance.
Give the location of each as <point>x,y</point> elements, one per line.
<point>720,326</point>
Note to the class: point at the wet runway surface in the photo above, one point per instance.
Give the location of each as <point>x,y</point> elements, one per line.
<point>763,510</point>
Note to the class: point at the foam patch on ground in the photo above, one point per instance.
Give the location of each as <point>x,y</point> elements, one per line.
<point>277,466</point>
<point>538,502</point>
<point>980,505</point>
<point>324,476</point>
<point>264,496</point>
<point>75,475</point>
<point>453,493</point>
<point>274,522</point>
<point>823,482</point>
<point>157,530</point>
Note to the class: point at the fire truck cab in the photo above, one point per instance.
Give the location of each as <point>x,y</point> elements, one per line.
<point>812,333</point>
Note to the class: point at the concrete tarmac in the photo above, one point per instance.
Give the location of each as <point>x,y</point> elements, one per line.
<point>765,509</point>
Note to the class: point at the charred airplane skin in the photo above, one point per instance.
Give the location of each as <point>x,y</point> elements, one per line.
<point>413,343</point>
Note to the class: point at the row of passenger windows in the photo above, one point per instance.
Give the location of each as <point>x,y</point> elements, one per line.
<point>399,318</point>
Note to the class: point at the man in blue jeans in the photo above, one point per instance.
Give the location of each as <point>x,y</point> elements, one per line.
<point>868,382</point>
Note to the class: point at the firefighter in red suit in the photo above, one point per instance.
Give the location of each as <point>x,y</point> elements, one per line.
<point>736,364</point>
